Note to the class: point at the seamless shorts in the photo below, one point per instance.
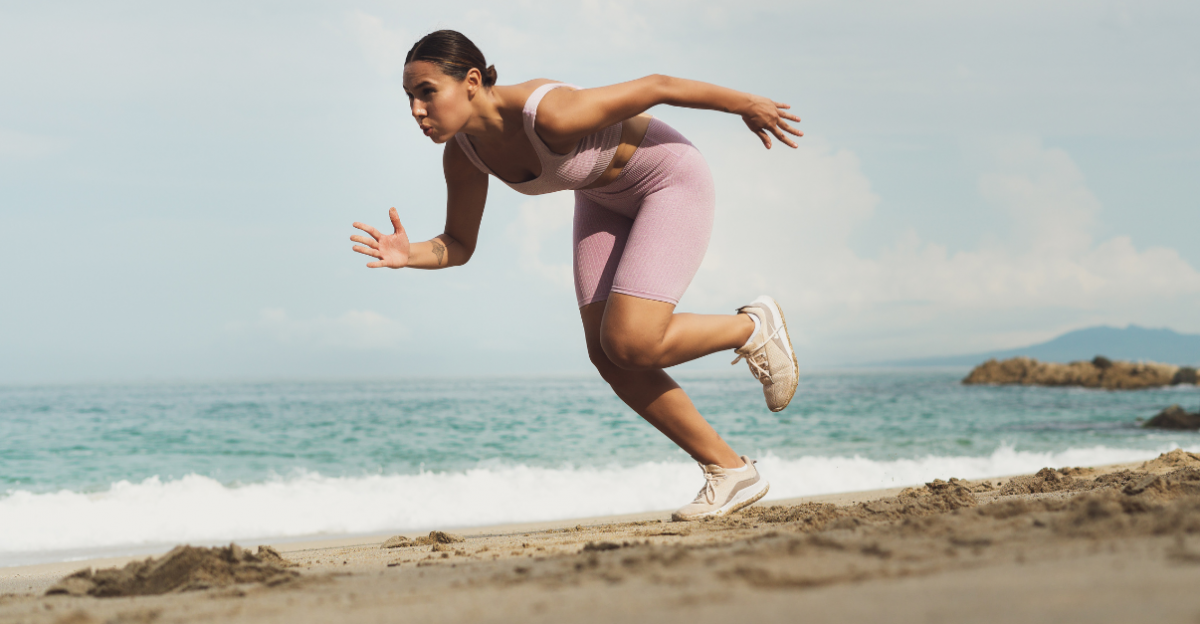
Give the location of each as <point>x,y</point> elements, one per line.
<point>645,234</point>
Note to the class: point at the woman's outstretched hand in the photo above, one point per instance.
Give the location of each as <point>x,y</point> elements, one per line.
<point>763,115</point>
<point>389,250</point>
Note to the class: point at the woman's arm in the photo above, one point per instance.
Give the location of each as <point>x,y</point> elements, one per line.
<point>466,194</point>
<point>565,115</point>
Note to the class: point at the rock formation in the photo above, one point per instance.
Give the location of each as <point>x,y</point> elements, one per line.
<point>1098,373</point>
<point>1174,417</point>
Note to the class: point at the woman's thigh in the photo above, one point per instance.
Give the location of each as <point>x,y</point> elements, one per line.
<point>670,234</point>
<point>599,241</point>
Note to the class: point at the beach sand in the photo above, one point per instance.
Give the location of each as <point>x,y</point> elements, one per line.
<point>1111,544</point>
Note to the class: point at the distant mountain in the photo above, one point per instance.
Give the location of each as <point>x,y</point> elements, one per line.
<point>1132,343</point>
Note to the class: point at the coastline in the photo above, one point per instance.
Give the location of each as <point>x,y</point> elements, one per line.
<point>38,577</point>
<point>957,550</point>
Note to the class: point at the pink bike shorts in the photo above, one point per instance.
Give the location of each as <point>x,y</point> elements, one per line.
<point>645,234</point>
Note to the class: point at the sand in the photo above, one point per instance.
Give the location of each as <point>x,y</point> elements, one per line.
<point>1114,544</point>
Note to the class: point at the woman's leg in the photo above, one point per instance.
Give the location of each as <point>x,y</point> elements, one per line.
<point>661,254</point>
<point>656,397</point>
<point>629,327</point>
<point>643,334</point>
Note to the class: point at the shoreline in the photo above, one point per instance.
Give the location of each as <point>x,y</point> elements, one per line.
<point>1114,543</point>
<point>32,577</point>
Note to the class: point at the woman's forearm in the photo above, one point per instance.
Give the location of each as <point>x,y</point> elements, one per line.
<point>695,94</point>
<point>439,252</point>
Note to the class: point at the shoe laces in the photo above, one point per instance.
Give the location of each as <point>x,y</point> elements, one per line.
<point>760,366</point>
<point>709,491</point>
<point>757,360</point>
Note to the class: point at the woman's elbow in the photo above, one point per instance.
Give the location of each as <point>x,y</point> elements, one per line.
<point>464,254</point>
<point>659,83</point>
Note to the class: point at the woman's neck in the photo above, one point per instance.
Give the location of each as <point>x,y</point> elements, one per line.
<point>491,119</point>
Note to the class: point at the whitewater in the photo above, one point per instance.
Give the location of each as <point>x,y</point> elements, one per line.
<point>200,510</point>
<point>107,470</point>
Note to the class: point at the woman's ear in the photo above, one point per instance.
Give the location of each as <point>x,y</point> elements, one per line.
<point>474,81</point>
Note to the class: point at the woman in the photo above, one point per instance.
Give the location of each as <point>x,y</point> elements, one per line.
<point>644,203</point>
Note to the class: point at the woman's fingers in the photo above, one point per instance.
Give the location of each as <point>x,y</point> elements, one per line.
<point>396,220</point>
<point>764,123</point>
<point>375,265</point>
<point>376,234</point>
<point>367,251</point>
<point>766,138</point>
<point>790,129</point>
<point>369,242</point>
<point>783,138</point>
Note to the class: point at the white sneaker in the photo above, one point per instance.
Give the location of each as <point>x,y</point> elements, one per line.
<point>769,353</point>
<point>725,492</point>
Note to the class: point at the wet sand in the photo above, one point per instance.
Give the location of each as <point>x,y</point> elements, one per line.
<point>1112,544</point>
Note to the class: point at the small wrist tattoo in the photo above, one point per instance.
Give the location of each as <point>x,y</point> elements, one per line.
<point>439,250</point>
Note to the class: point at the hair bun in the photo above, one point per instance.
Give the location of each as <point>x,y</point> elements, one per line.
<point>489,76</point>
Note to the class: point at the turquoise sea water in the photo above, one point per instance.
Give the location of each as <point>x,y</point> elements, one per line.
<point>406,453</point>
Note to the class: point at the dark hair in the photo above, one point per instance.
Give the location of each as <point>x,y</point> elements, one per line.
<point>451,51</point>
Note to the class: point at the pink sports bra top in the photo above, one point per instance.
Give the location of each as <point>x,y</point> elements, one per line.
<point>560,172</point>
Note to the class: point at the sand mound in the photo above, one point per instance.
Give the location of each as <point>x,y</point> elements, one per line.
<point>1156,504</point>
<point>1098,373</point>
<point>186,568</point>
<point>1119,503</point>
<point>935,498</point>
<point>1161,488</point>
<point>1047,480</point>
<point>1108,504</point>
<point>1177,458</point>
<point>434,537</point>
<point>941,526</point>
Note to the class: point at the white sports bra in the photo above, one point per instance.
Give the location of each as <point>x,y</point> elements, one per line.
<point>560,172</point>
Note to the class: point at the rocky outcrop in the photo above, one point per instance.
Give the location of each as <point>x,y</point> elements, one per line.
<point>1098,373</point>
<point>1175,417</point>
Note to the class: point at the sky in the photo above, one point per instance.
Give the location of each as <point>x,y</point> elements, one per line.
<point>177,181</point>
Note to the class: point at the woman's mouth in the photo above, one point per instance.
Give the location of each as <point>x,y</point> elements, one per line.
<point>427,131</point>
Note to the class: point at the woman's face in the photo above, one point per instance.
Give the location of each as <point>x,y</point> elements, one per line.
<point>440,104</point>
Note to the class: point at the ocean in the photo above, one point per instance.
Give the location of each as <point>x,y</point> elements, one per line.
<point>111,469</point>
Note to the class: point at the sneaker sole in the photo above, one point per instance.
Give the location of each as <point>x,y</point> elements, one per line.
<point>738,503</point>
<point>792,352</point>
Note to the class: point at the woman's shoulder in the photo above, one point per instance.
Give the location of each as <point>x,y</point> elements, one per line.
<point>531,85</point>
<point>515,94</point>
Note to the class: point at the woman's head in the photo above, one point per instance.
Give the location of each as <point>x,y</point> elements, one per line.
<point>454,54</point>
<point>442,74</point>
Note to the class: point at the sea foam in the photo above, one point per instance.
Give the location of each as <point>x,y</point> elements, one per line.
<point>129,517</point>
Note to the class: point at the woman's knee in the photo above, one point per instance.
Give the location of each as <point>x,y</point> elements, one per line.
<point>631,353</point>
<point>608,370</point>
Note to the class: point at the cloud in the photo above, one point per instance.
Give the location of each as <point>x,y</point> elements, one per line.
<point>385,48</point>
<point>540,219</point>
<point>784,226</point>
<point>1044,194</point>
<point>785,221</point>
<point>355,329</point>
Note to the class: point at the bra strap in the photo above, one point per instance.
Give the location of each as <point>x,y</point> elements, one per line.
<point>531,105</point>
<point>464,142</point>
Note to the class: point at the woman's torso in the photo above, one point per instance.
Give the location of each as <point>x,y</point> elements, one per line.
<point>526,162</point>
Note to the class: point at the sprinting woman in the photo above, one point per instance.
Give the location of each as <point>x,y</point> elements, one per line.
<point>644,203</point>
